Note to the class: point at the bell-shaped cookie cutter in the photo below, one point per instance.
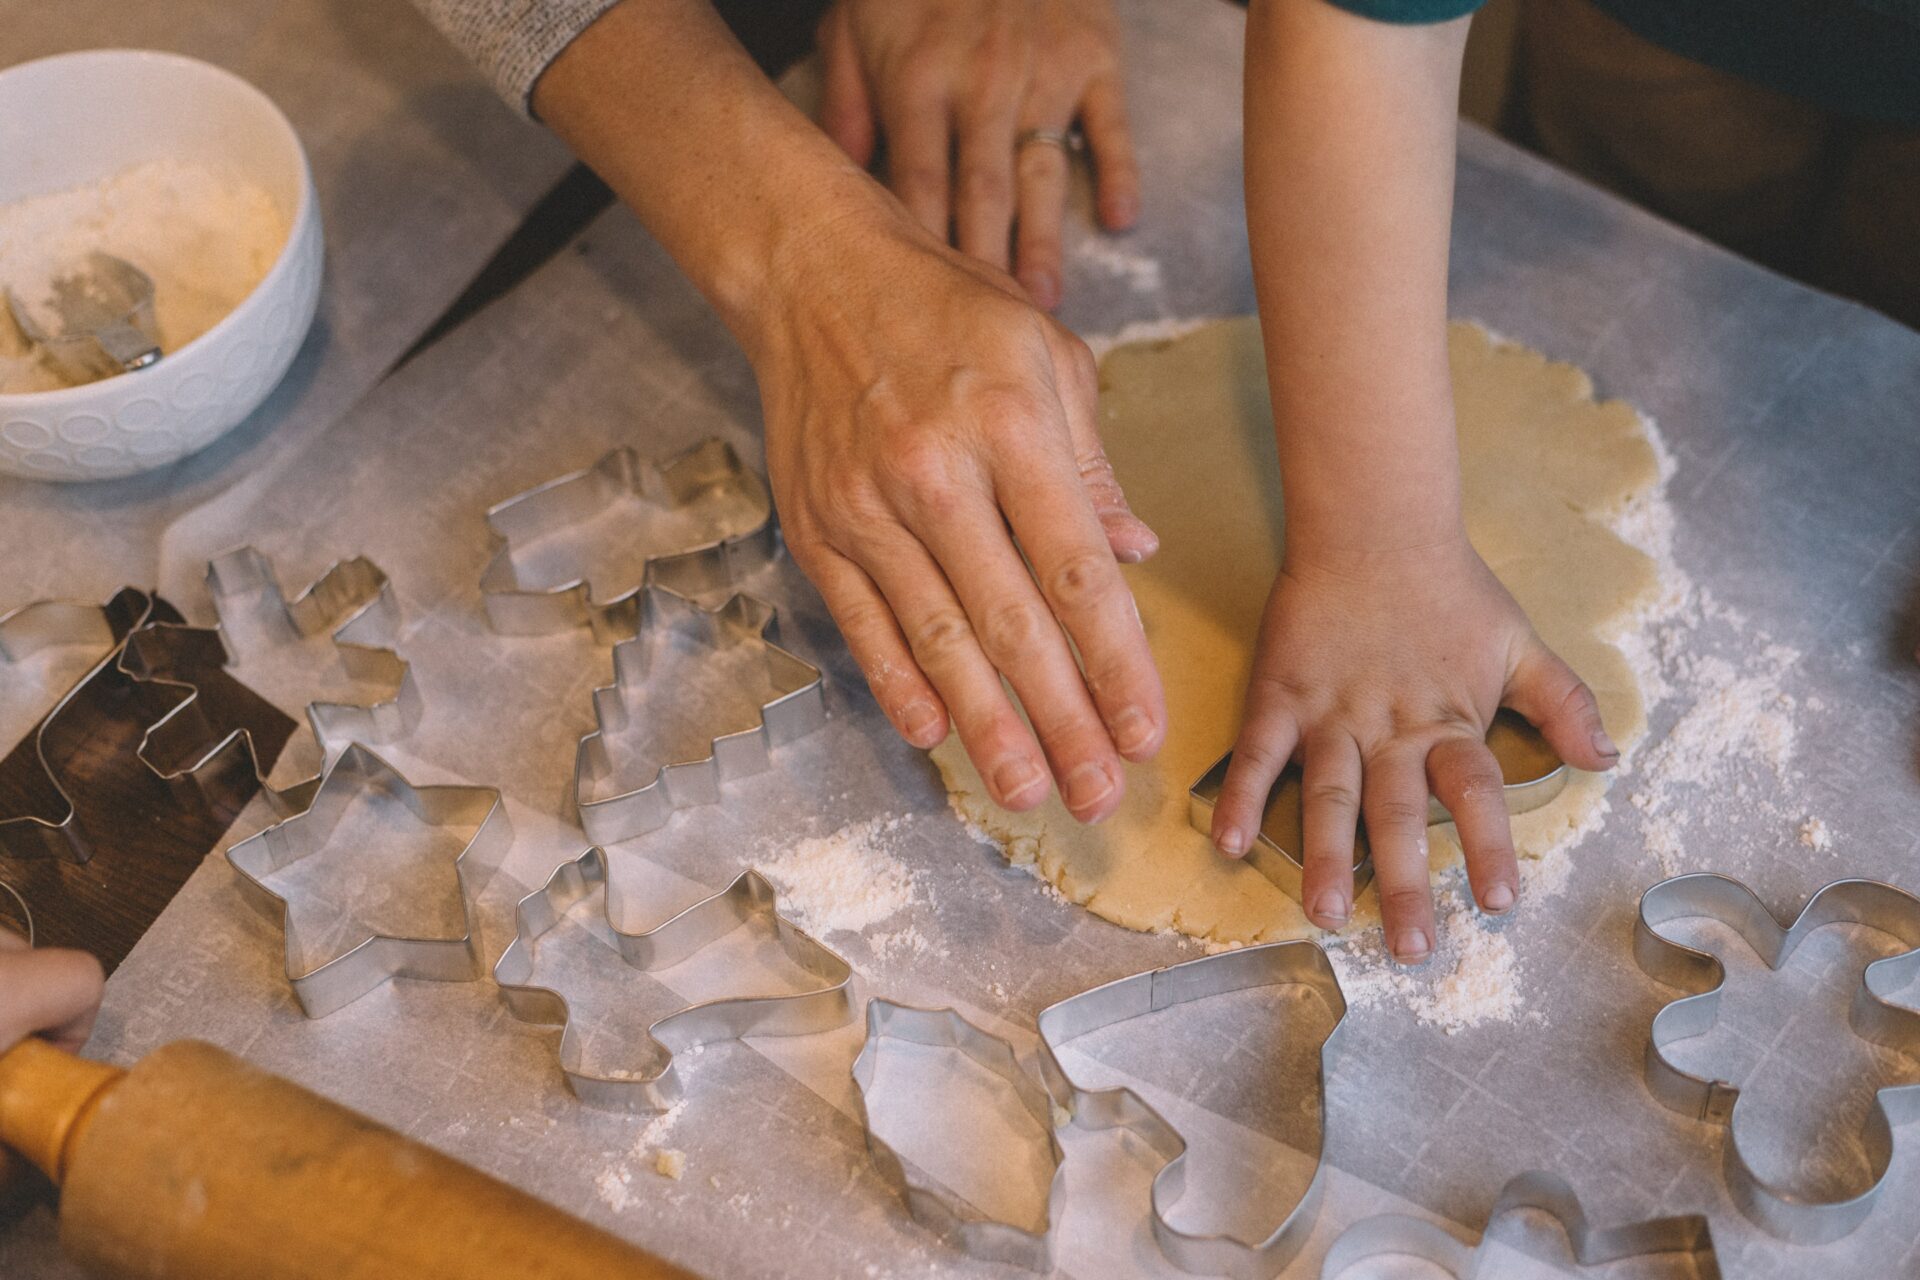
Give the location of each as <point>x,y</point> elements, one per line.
<point>1874,1017</point>
<point>797,708</point>
<point>378,957</point>
<point>1534,777</point>
<point>1398,1234</point>
<point>714,564</point>
<point>46,624</point>
<point>1266,965</point>
<point>656,1086</point>
<point>932,1205</point>
<point>353,601</point>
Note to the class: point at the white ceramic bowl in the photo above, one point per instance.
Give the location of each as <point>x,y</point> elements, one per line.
<point>79,117</point>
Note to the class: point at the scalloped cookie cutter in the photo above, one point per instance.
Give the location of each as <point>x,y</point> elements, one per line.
<point>949,1215</point>
<point>1874,1017</point>
<point>378,957</point>
<point>1398,1234</point>
<point>1533,775</point>
<point>353,601</point>
<point>797,708</point>
<point>729,551</point>
<point>48,624</point>
<point>1269,964</point>
<point>656,1086</point>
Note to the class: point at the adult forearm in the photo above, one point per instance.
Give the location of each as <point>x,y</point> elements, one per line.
<point>1349,163</point>
<point>735,182</point>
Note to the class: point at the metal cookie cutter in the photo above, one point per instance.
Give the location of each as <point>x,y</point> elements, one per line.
<point>735,541</point>
<point>932,1205</point>
<point>1270,964</point>
<point>353,601</point>
<point>797,708</point>
<point>1874,1017</point>
<point>656,1085</point>
<point>48,624</point>
<point>1394,1233</point>
<point>1533,775</point>
<point>378,957</point>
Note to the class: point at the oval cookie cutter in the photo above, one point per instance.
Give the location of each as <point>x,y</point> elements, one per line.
<point>1533,775</point>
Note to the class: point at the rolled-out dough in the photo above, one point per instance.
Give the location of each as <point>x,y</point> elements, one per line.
<point>1189,427</point>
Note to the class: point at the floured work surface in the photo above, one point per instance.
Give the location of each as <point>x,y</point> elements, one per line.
<point>1187,424</point>
<point>1795,491</point>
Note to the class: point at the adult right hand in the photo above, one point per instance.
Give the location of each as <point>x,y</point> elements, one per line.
<point>930,435</point>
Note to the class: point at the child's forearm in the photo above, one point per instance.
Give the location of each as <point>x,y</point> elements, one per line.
<point>1349,162</point>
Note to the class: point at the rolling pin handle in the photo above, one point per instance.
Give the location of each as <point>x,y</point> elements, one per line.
<point>46,1097</point>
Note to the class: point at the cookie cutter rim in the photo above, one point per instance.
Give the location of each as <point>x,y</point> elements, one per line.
<point>932,1205</point>
<point>378,958</point>
<point>1874,904</point>
<point>57,624</point>
<point>1397,1233</point>
<point>680,936</point>
<point>797,709</point>
<point>26,912</point>
<point>354,601</point>
<point>1293,963</point>
<point>515,609</point>
<point>1285,869</point>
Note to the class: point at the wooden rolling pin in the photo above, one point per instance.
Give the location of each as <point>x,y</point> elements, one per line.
<point>195,1166</point>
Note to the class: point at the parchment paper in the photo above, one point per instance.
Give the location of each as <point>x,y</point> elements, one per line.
<point>1791,417</point>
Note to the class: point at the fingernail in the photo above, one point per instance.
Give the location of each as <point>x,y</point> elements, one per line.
<point>1045,288</point>
<point>1122,209</point>
<point>1604,744</point>
<point>1131,730</point>
<point>1411,946</point>
<point>1087,786</point>
<point>921,720</point>
<point>1330,910</point>
<point>1498,899</point>
<point>1016,777</point>
<point>1232,842</point>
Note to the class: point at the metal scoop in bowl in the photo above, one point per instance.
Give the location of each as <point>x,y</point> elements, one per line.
<point>97,321</point>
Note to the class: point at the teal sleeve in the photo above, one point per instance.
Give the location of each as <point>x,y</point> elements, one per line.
<point>1409,11</point>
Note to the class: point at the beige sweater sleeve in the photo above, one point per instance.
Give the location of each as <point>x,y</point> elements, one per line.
<point>513,41</point>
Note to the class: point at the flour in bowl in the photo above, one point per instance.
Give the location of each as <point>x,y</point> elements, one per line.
<point>205,235</point>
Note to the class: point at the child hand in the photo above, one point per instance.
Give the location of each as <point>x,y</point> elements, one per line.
<point>1381,671</point>
<point>52,993</point>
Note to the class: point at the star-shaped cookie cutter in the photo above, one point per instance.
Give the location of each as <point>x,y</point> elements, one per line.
<point>1874,1017</point>
<point>1533,776</point>
<point>46,624</point>
<point>730,551</point>
<point>656,1085</point>
<point>378,957</point>
<point>797,708</point>
<point>353,601</point>
<point>932,1205</point>
<point>1269,964</point>
<point>1398,1234</point>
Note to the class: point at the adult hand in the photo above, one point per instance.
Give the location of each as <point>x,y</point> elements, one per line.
<point>922,416</point>
<point>52,993</point>
<point>1381,674</point>
<point>952,85</point>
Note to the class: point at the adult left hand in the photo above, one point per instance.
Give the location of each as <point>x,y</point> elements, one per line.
<point>966,94</point>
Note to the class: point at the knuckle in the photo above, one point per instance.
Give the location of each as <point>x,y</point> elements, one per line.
<point>1407,900</point>
<point>942,636</point>
<point>920,177</point>
<point>1329,795</point>
<point>986,183</point>
<point>1012,630</point>
<point>1397,813</point>
<point>1081,581</point>
<point>919,465</point>
<point>1482,785</point>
